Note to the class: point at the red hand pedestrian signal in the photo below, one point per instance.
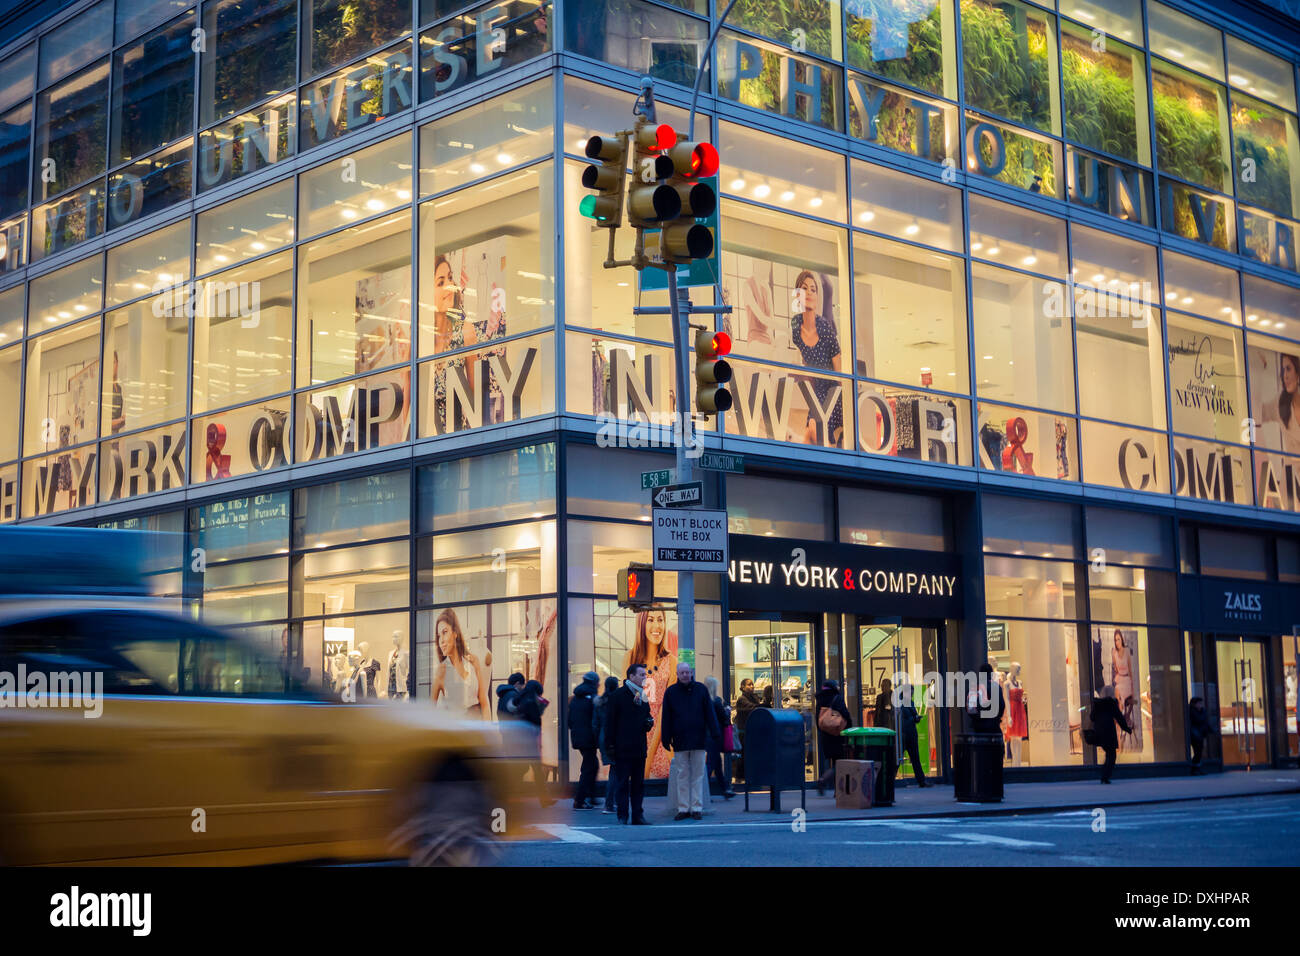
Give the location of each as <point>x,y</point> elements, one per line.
<point>633,584</point>
<point>636,586</point>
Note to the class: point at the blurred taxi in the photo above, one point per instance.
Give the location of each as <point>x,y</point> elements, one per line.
<point>202,752</point>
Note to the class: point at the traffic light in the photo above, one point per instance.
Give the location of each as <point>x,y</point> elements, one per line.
<point>606,177</point>
<point>683,239</point>
<point>712,371</point>
<point>636,586</point>
<point>649,200</point>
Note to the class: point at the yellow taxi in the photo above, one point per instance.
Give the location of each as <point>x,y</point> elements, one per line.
<point>116,746</point>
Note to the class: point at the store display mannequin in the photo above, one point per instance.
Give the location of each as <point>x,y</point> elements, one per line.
<point>339,670</point>
<point>370,667</point>
<point>353,684</point>
<point>398,668</point>
<point>1017,724</point>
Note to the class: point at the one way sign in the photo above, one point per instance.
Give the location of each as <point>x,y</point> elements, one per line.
<point>678,496</point>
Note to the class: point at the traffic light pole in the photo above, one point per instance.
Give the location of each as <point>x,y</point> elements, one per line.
<point>680,302</point>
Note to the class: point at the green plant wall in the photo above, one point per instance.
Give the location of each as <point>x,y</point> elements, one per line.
<point>1007,72</point>
<point>922,65</point>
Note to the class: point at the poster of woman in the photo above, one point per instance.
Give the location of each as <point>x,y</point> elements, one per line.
<point>469,308</point>
<point>1115,659</point>
<point>1275,398</point>
<point>655,646</point>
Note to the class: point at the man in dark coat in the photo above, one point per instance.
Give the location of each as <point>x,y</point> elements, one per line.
<point>508,697</point>
<point>910,738</point>
<point>1105,715</point>
<point>831,745</point>
<point>746,704</point>
<point>599,721</point>
<point>582,735</point>
<point>986,704</point>
<point>627,722</point>
<point>688,724</point>
<point>1199,729</point>
<point>529,706</point>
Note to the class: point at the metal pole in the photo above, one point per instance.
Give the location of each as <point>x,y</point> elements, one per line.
<point>681,308</point>
<point>699,74</point>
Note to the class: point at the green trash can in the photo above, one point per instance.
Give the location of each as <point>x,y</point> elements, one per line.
<point>876,743</point>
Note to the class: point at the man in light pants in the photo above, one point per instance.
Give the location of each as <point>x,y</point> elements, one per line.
<point>687,722</point>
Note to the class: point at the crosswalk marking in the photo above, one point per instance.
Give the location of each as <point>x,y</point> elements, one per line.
<point>568,834</point>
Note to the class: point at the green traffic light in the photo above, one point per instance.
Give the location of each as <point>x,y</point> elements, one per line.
<point>588,208</point>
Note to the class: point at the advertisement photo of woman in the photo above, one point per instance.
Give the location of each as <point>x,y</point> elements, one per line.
<point>1115,662</point>
<point>655,647</point>
<point>1285,409</point>
<point>461,682</point>
<point>818,343</point>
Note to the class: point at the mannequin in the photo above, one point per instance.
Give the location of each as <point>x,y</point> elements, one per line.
<point>397,668</point>
<point>339,671</point>
<point>1001,678</point>
<point>353,684</point>
<point>1017,725</point>
<point>370,667</point>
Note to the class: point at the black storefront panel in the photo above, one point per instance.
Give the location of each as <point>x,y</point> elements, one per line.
<point>1236,606</point>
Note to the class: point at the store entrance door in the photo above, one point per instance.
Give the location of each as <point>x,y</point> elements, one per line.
<point>778,655</point>
<point>885,652</point>
<point>1243,707</point>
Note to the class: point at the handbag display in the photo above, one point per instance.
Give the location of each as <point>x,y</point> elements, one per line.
<point>830,722</point>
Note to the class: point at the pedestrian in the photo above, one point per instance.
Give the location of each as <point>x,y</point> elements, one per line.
<point>508,696</point>
<point>688,723</point>
<point>722,713</point>
<point>582,736</point>
<point>530,705</point>
<point>986,703</point>
<point>1200,731</point>
<point>627,721</point>
<point>1105,715</point>
<point>832,719</point>
<point>884,715</point>
<point>746,704</point>
<point>767,697</point>
<point>908,718</point>
<point>599,720</point>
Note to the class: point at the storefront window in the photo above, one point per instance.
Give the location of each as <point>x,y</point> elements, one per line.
<point>1261,74</point>
<point>781,405</point>
<point>358,415</point>
<point>786,509</point>
<point>1022,159</point>
<point>71,127</point>
<point>135,15</point>
<point>153,262</point>
<point>506,383</point>
<point>15,145</point>
<point>1009,60</point>
<point>486,261</point>
<point>66,222</point>
<point>612,378</point>
<point>1274,388</point>
<point>605,481</point>
<point>66,294</point>
<point>346,512</point>
<point>1144,666</point>
<point>1265,138</point>
<point>909,41</point>
<point>503,486</point>
<point>1277,481</point>
<point>250,54</point>
<point>1132,594</point>
<point>910,423</point>
<point>1105,95</point>
<point>359,658</point>
<point>766,77</point>
<point>242,333</point>
<point>908,207</point>
<point>241,527</point>
<point>781,173</point>
<point>1038,528</point>
<point>245,227</point>
<point>11,314</point>
<point>1019,237</point>
<point>62,405</point>
<point>611,30</point>
<point>1037,665</point>
<point>910,313</point>
<point>153,91</point>
<point>18,77</point>
<point>341,30</point>
<point>354,300</point>
<point>347,580</point>
<point>253,140</point>
<point>76,43</point>
<point>1191,126</point>
<point>240,441</point>
<point>245,592</point>
<point>491,563</point>
<point>890,519</point>
<point>1271,307</point>
<point>374,89</point>
<point>1212,471</point>
<point>1207,379</point>
<point>142,463</point>
<point>813,25</point>
<point>478,42</point>
<point>1127,458</point>
<point>149,185</point>
<point>56,483</point>
<point>1194,285</point>
<point>11,364</point>
<point>145,357</point>
<point>1130,537</point>
<point>1022,341</point>
<point>1028,443</point>
<point>487,137</point>
<point>1020,587</point>
<point>597,550</point>
<point>1121,366</point>
<point>1188,42</point>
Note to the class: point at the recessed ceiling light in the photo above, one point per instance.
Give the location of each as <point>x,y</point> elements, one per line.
<point>1029,260</point>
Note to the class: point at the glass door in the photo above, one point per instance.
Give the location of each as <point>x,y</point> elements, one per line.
<point>894,653</point>
<point>774,661</point>
<point>1243,708</point>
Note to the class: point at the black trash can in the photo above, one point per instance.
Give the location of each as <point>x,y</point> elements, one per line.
<point>877,743</point>
<point>977,768</point>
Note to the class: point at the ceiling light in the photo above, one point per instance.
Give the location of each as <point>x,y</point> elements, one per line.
<point>994,250</point>
<point>762,190</point>
<point>787,195</point>
<point>737,183</point>
<point>1029,260</point>
<point>976,246</point>
<point>257,246</point>
<point>1188,300</point>
<point>404,194</point>
<point>1265,323</point>
<point>866,215</point>
<point>478,169</point>
<point>912,228</point>
<point>815,202</point>
<point>1099,277</point>
<point>348,213</point>
<point>505,159</point>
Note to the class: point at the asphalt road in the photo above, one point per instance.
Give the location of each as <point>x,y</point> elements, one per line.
<point>1250,831</point>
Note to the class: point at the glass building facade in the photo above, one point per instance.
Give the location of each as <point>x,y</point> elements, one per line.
<point>1011,285</point>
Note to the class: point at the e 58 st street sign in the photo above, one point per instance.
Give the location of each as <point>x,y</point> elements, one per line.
<point>690,540</point>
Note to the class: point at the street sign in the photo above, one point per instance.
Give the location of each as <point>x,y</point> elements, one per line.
<point>722,461</point>
<point>678,496</point>
<point>656,479</point>
<point>690,540</point>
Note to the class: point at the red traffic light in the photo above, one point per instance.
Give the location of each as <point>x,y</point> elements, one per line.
<point>704,161</point>
<point>665,137</point>
<point>722,343</point>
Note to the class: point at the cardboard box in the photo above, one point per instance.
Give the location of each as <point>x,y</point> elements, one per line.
<point>855,784</point>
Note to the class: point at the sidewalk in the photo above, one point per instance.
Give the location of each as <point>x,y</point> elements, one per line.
<point>937,800</point>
